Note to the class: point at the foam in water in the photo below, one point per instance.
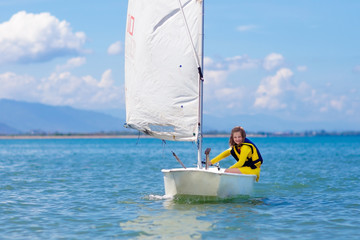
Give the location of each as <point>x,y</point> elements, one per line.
<point>159,197</point>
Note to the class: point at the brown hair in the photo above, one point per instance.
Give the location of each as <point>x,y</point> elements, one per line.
<point>236,129</point>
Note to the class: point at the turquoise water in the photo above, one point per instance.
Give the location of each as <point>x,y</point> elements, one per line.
<point>113,189</point>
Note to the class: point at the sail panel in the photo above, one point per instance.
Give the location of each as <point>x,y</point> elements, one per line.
<point>161,71</point>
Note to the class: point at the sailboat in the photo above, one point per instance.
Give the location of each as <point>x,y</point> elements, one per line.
<point>164,89</point>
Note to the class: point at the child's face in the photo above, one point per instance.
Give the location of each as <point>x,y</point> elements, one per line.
<point>237,137</point>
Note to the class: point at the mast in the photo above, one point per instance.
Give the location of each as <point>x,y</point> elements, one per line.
<point>201,81</point>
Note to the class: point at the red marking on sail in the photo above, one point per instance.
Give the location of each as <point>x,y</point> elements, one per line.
<point>130,26</point>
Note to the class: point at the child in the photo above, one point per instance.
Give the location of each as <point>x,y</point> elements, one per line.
<point>244,151</point>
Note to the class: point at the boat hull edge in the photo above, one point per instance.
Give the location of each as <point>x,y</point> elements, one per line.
<point>201,182</point>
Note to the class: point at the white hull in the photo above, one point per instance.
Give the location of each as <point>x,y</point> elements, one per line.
<point>211,182</point>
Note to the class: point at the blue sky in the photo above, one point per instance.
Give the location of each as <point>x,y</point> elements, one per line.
<point>294,60</point>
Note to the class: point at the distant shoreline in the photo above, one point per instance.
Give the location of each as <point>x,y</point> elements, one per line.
<point>71,136</point>
<point>89,136</point>
<point>208,135</point>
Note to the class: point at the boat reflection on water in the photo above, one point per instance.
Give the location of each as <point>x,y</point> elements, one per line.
<point>170,224</point>
<point>187,217</point>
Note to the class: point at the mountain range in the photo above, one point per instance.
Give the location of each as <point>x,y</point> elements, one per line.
<point>23,117</point>
<point>18,117</point>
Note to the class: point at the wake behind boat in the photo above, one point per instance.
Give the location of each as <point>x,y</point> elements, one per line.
<point>164,89</point>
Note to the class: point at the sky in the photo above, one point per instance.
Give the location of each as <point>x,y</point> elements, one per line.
<point>293,60</point>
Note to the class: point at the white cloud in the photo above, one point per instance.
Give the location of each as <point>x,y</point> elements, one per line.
<point>272,61</point>
<point>30,37</point>
<point>338,103</point>
<point>208,62</point>
<point>241,62</point>
<point>217,72</point>
<point>215,77</point>
<point>115,48</point>
<point>302,68</point>
<point>72,63</point>
<point>63,89</point>
<point>329,103</point>
<point>231,64</point>
<point>280,92</point>
<point>220,93</point>
<point>106,79</point>
<point>76,62</point>
<point>228,93</point>
<point>15,86</point>
<point>271,89</point>
<point>244,28</point>
<point>67,89</point>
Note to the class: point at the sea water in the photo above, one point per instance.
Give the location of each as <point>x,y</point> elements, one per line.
<point>113,189</point>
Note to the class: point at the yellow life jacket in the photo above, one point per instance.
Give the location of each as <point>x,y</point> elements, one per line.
<point>254,161</point>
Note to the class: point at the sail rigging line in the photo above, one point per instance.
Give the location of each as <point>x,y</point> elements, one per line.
<point>138,139</point>
<point>201,77</point>
<point>191,40</point>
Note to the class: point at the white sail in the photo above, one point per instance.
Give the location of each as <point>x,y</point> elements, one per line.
<point>161,70</point>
